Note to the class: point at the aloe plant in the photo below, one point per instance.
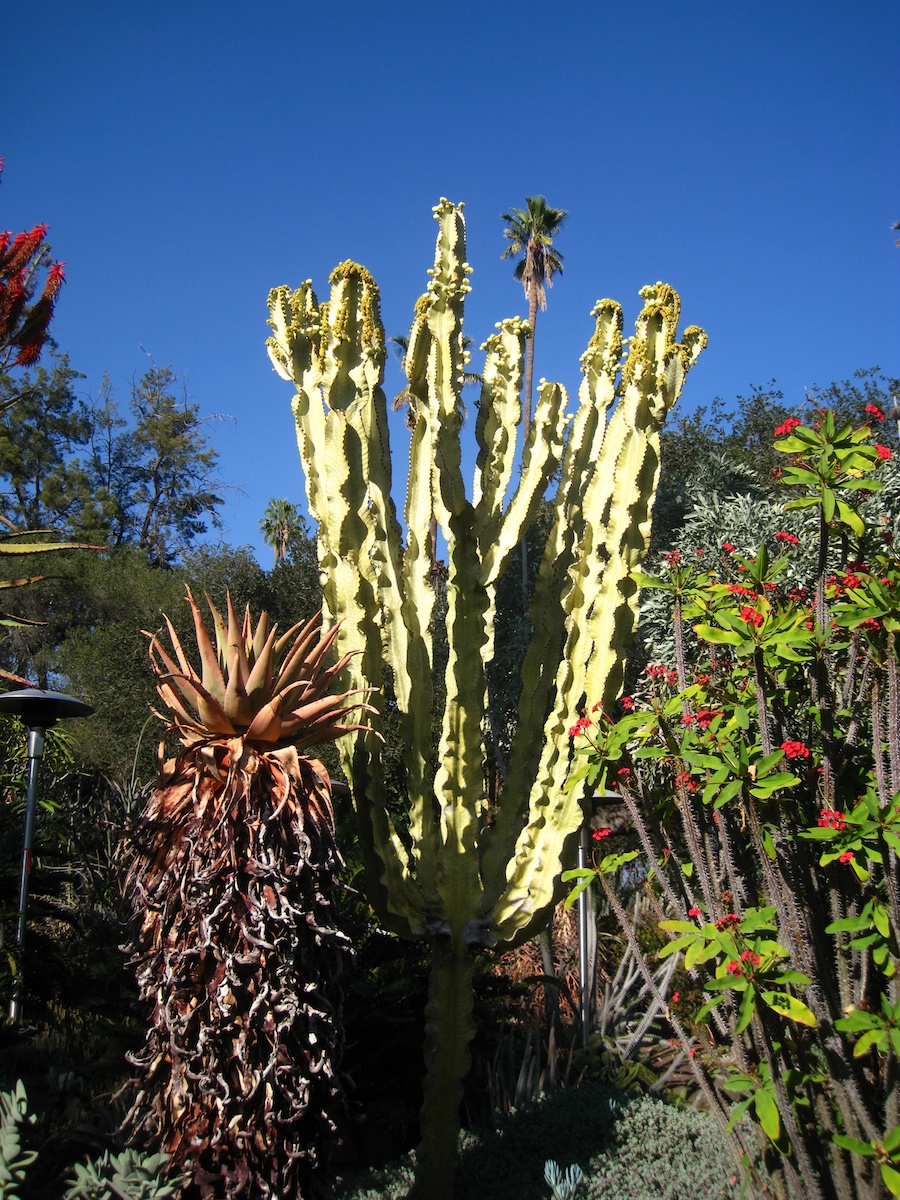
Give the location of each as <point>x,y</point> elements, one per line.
<point>464,874</point>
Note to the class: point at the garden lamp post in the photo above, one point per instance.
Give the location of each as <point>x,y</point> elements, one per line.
<point>38,711</point>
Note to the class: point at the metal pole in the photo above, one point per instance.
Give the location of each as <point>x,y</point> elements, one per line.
<point>584,983</point>
<point>35,752</point>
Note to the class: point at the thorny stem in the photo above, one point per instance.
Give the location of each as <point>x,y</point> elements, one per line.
<point>893,674</point>
<point>762,707</point>
<point>714,1101</point>
<point>810,1189</point>
<point>680,665</point>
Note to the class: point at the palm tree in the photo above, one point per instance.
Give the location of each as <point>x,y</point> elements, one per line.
<point>531,231</point>
<point>280,522</point>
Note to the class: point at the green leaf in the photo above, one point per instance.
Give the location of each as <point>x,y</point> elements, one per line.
<point>829,502</point>
<point>767,1114</point>
<point>852,1144</point>
<point>719,637</point>
<point>707,1009</point>
<point>882,920</point>
<point>648,581</point>
<point>789,1006</point>
<point>891,1179</point>
<point>700,952</point>
<point>802,502</point>
<point>728,792</point>
<point>795,977</point>
<point>746,1010</point>
<point>737,1112</point>
<point>612,862</point>
<point>774,783</point>
<point>850,517</point>
<point>849,925</point>
<point>874,1037</point>
<point>585,877</point>
<point>678,944</point>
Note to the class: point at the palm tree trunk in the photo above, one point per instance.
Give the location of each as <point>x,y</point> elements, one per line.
<point>529,362</point>
<point>526,424</point>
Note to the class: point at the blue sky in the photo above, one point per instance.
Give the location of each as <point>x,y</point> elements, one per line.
<point>189,156</point>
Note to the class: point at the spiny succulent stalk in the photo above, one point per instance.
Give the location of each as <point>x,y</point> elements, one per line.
<point>235,946</point>
<point>465,873</point>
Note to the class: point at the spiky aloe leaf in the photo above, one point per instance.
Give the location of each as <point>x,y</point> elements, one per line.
<point>235,947</point>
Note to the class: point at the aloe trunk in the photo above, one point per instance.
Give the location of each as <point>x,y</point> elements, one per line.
<point>455,878</point>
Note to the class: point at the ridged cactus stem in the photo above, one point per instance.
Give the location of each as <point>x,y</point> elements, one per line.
<point>459,876</point>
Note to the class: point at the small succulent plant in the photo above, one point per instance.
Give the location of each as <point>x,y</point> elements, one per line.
<point>563,1184</point>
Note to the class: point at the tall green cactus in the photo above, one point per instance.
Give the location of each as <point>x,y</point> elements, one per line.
<point>452,876</point>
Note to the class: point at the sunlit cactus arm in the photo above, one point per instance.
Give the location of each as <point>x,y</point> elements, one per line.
<point>459,780</point>
<point>602,601</point>
<point>499,415</point>
<point>540,459</point>
<point>551,602</point>
<point>338,462</point>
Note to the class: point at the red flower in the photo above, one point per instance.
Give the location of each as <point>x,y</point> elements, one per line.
<point>673,556</point>
<point>727,920</point>
<point>687,781</point>
<point>735,968</point>
<point>874,411</point>
<point>727,546</point>
<point>787,537</point>
<point>676,996</point>
<point>694,912</point>
<point>687,719</point>
<point>830,818</point>
<point>851,581</point>
<point>738,589</point>
<point>599,834</point>
<point>883,452</point>
<point>785,429</point>
<point>871,625</point>
<point>582,723</point>
<point>795,749</point>
<point>627,703</point>
<point>752,617</point>
<point>748,956</point>
<point>847,856</point>
<point>706,715</point>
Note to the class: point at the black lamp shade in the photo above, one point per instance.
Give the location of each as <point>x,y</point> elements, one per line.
<point>40,710</point>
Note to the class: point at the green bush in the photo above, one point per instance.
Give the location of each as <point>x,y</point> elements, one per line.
<point>641,1148</point>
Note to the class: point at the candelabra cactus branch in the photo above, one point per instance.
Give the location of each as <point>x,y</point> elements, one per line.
<point>455,877</point>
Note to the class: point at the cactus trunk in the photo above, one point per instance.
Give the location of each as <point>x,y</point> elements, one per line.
<point>449,1028</point>
<point>465,874</point>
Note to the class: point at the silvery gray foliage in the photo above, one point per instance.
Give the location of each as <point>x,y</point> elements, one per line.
<point>13,1159</point>
<point>563,1184</point>
<point>126,1176</point>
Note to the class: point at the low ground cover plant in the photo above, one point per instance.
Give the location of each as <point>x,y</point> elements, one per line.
<point>639,1148</point>
<point>761,770</point>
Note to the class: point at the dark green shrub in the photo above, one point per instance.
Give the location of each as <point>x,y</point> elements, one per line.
<point>641,1148</point>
